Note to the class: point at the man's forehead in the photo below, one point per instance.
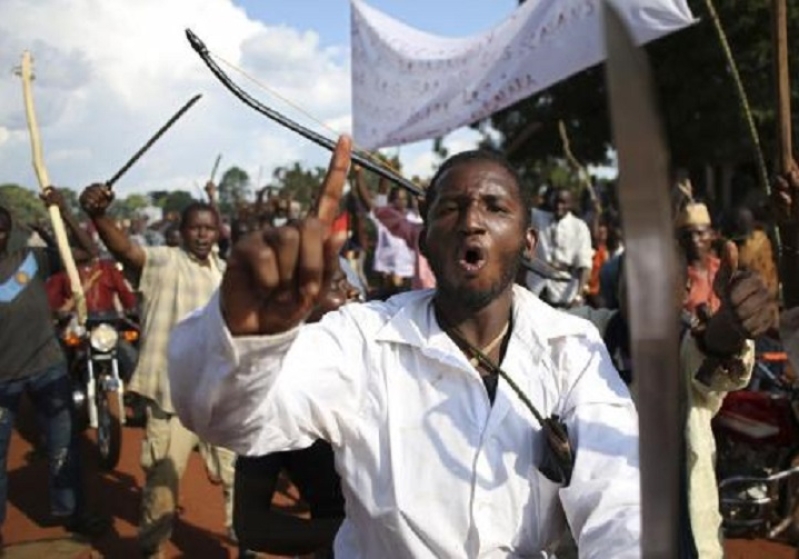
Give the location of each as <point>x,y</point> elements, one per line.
<point>478,173</point>
<point>201,213</point>
<point>695,229</point>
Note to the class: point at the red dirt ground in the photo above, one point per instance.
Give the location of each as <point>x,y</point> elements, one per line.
<point>199,531</point>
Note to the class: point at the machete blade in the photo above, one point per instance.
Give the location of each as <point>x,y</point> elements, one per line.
<point>651,273</point>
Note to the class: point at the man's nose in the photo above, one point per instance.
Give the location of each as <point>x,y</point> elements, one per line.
<point>472,219</point>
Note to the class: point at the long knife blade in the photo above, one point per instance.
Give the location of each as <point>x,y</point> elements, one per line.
<point>651,273</point>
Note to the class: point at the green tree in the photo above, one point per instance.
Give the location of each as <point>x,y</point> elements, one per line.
<point>299,183</point>
<point>233,189</point>
<point>26,209</point>
<point>24,204</point>
<point>176,201</point>
<point>158,197</point>
<point>130,206</point>
<point>71,198</point>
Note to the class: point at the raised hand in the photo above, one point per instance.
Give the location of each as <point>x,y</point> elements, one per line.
<point>276,276</point>
<point>785,197</point>
<point>210,190</point>
<point>747,309</point>
<point>51,196</point>
<point>95,199</point>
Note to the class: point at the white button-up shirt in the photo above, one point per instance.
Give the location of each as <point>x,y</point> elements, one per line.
<point>429,467</point>
<point>564,243</point>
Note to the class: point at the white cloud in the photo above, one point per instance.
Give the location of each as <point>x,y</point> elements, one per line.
<point>110,73</point>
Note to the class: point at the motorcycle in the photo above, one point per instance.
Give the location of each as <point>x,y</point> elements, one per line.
<point>99,392</point>
<point>757,461</point>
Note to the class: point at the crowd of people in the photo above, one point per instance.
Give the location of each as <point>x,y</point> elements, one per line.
<point>428,390</point>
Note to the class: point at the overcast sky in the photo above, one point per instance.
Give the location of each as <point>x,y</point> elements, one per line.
<point>110,72</point>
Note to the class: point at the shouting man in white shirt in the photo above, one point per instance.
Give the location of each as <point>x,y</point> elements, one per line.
<point>438,456</point>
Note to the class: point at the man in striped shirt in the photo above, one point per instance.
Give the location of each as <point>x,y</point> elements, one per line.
<point>173,281</point>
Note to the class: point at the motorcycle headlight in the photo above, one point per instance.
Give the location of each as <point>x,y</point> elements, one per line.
<point>104,337</point>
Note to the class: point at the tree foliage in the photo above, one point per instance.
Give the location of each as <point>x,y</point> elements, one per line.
<point>176,201</point>
<point>299,183</point>
<point>696,92</point>
<point>130,207</point>
<point>233,189</point>
<point>24,204</point>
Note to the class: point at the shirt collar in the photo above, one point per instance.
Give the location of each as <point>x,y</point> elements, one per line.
<point>212,261</point>
<point>535,324</point>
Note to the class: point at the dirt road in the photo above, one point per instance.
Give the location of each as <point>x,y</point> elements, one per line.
<point>199,532</point>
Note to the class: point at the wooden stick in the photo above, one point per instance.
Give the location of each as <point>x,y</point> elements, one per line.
<point>782,81</point>
<point>743,99</point>
<point>582,173</point>
<point>216,166</point>
<point>44,182</point>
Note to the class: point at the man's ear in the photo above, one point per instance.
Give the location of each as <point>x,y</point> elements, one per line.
<point>423,241</point>
<point>530,242</point>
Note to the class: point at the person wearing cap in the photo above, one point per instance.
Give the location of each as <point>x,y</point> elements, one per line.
<point>695,236</point>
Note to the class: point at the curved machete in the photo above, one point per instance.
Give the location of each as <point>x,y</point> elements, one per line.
<point>651,273</point>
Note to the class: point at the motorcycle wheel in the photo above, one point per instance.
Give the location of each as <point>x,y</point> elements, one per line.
<point>790,499</point>
<point>109,429</point>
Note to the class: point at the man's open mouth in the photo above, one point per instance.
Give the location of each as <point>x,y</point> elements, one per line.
<point>472,258</point>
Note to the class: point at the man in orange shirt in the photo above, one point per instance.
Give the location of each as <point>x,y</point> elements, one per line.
<point>695,235</point>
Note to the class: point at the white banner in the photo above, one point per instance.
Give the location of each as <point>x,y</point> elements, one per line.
<point>408,85</point>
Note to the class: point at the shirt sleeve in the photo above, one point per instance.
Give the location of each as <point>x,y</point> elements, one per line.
<point>399,225</point>
<point>58,290</point>
<point>265,394</point>
<point>155,259</point>
<point>603,500</point>
<point>710,394</point>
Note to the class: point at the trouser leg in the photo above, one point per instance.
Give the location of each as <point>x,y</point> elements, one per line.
<point>165,453</point>
<point>51,395</point>
<point>221,463</point>
<point>9,403</point>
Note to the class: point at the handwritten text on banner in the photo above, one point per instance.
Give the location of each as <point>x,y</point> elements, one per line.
<point>409,85</point>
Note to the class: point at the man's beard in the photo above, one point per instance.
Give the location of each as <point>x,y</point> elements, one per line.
<point>476,299</point>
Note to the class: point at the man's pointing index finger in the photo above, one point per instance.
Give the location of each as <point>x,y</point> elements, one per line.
<point>327,205</point>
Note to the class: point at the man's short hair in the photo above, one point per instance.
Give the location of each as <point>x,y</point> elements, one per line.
<point>196,207</point>
<point>470,156</point>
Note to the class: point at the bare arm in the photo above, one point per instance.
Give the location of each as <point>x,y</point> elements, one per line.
<point>52,196</point>
<point>584,277</point>
<point>786,205</point>
<point>363,192</point>
<point>95,201</point>
<point>399,226</point>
